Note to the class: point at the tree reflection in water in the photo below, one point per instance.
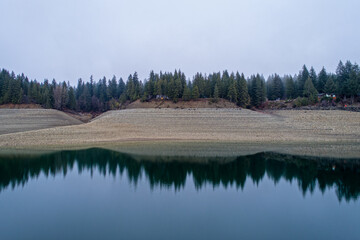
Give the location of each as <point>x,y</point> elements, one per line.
<point>172,172</point>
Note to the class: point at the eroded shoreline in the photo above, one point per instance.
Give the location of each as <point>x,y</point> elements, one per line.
<point>202,132</point>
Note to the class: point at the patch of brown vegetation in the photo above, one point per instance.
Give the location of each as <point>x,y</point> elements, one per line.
<point>200,103</point>
<point>20,106</point>
<point>82,116</point>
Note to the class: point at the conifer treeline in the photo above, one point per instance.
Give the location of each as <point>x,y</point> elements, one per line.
<point>108,94</point>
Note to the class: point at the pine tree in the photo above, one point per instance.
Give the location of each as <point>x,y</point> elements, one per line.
<point>353,84</point>
<point>310,91</point>
<point>216,93</point>
<point>2,84</point>
<point>186,94</point>
<point>46,97</point>
<point>72,101</point>
<point>322,79</point>
<point>208,91</point>
<point>173,91</point>
<point>277,88</point>
<point>243,94</point>
<point>158,89</point>
<point>290,91</point>
<point>195,93</point>
<point>150,85</point>
<point>113,88</point>
<point>257,90</point>
<point>64,95</point>
<point>87,98</point>
<point>58,97</point>
<point>225,83</point>
<point>263,89</point>
<point>15,92</point>
<point>232,92</point>
<point>342,77</point>
<point>34,91</point>
<point>303,76</point>
<point>330,86</point>
<point>313,76</point>
<point>121,87</point>
<point>136,87</point>
<point>91,86</point>
<point>79,88</point>
<point>103,92</point>
<point>199,81</point>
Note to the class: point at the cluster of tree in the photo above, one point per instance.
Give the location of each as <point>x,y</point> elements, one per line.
<point>345,83</point>
<point>175,86</point>
<point>110,93</point>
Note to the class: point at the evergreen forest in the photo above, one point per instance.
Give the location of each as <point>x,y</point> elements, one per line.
<point>106,94</point>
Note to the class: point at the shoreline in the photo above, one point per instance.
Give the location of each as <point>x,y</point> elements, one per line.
<point>202,132</point>
<point>202,149</point>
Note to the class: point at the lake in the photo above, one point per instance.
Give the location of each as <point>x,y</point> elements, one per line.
<point>102,194</point>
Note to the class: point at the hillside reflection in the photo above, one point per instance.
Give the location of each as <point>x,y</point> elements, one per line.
<point>169,172</point>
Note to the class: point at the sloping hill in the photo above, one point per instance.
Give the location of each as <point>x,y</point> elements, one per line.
<point>19,120</point>
<point>218,132</point>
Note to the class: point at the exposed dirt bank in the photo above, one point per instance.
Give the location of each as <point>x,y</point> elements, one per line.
<point>20,120</point>
<point>200,103</point>
<point>20,106</point>
<point>204,132</point>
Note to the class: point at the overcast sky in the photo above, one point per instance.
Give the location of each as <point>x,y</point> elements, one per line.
<point>69,39</point>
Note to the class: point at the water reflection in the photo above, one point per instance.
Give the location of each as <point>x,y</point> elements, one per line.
<point>308,173</point>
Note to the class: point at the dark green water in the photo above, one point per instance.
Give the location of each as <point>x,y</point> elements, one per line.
<point>100,194</point>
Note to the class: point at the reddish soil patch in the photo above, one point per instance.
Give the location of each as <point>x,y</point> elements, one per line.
<point>21,106</point>
<point>200,103</point>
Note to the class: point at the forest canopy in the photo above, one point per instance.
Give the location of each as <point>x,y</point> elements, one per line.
<point>106,94</point>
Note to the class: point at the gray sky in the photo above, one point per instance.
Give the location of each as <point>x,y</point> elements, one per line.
<point>69,39</point>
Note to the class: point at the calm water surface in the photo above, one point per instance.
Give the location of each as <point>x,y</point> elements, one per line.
<point>100,194</point>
